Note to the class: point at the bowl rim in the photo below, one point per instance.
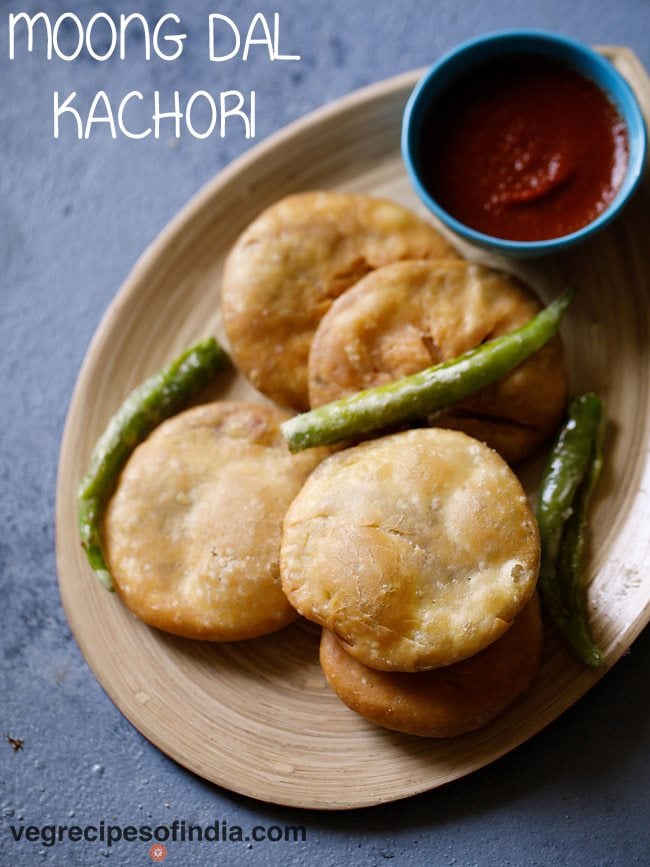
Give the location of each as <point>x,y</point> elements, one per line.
<point>607,77</point>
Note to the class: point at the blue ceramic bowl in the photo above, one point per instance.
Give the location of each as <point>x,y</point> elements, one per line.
<point>476,52</point>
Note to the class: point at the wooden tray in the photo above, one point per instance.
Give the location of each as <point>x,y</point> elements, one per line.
<point>257,717</point>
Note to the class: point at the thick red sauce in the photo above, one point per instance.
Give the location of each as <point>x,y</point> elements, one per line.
<point>524,149</point>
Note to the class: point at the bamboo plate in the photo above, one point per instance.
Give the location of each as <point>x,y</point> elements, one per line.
<point>257,717</point>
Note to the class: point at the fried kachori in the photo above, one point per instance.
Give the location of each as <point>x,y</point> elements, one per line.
<point>417,549</point>
<point>447,701</point>
<point>410,315</point>
<point>192,532</point>
<point>289,265</point>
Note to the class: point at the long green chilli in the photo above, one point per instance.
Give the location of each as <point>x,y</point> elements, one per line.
<point>160,396</point>
<point>429,390</point>
<point>571,472</point>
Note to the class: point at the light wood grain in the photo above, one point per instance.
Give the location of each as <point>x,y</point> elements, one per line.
<point>257,717</point>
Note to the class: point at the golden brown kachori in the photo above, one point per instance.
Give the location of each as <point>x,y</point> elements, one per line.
<point>417,549</point>
<point>447,701</point>
<point>410,315</point>
<point>192,532</point>
<point>287,267</point>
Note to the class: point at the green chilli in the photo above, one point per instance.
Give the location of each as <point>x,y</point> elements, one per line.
<point>160,396</point>
<point>571,472</point>
<point>429,390</point>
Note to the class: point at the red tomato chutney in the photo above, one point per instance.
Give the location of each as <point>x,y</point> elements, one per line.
<point>524,148</point>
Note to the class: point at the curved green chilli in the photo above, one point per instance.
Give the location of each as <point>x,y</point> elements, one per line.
<point>429,390</point>
<point>571,473</point>
<point>160,396</point>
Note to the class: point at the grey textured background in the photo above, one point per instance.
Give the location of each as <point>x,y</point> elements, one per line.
<point>74,217</point>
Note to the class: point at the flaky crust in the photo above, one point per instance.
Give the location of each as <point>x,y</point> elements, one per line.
<point>446,701</point>
<point>416,549</point>
<point>409,315</point>
<point>192,533</point>
<point>290,264</point>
